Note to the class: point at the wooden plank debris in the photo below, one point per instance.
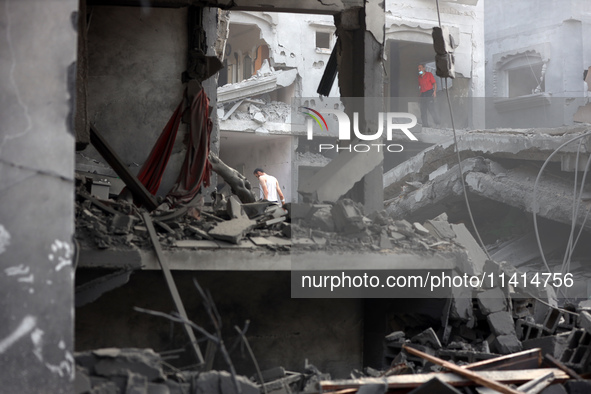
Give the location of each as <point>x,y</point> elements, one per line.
<point>527,359</point>
<point>138,190</point>
<point>416,380</point>
<point>172,286</point>
<point>474,376</point>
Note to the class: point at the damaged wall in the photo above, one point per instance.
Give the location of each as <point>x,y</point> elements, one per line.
<point>38,70</point>
<point>535,62</point>
<point>292,43</point>
<point>409,25</point>
<point>283,331</point>
<point>136,58</point>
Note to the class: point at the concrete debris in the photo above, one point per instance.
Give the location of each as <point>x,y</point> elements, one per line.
<point>140,371</point>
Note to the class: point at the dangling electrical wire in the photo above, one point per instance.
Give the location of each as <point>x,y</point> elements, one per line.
<point>451,114</point>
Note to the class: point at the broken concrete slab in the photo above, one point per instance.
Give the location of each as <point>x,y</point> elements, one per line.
<point>232,230</point>
<point>434,196</point>
<point>475,254</point>
<point>440,228</point>
<point>234,208</point>
<point>136,384</point>
<point>512,144</point>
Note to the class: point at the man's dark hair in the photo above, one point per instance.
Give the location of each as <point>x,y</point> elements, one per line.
<point>257,170</point>
<point>422,64</point>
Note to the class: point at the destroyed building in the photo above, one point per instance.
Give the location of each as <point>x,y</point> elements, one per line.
<point>99,290</point>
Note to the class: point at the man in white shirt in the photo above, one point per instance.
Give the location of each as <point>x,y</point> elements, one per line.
<point>270,189</point>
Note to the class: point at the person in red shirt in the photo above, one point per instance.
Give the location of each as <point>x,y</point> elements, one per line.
<point>428,90</point>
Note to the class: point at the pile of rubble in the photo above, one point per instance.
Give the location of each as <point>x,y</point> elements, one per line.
<point>493,342</point>
<point>137,371</point>
<point>106,224</point>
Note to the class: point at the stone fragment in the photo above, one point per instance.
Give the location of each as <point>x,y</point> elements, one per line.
<point>428,338</point>
<point>491,301</point>
<point>348,217</point>
<point>121,224</point>
<point>322,220</point>
<point>420,228</point>
<point>501,323</point>
<point>136,384</point>
<point>507,344</point>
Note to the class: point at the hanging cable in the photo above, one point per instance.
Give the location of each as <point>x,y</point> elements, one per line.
<point>535,203</point>
<point>451,114</point>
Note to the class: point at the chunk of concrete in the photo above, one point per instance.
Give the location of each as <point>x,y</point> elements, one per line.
<point>491,301</point>
<point>507,344</point>
<point>441,229</point>
<point>427,338</point>
<point>322,219</point>
<point>501,323</point>
<point>82,381</point>
<point>348,217</point>
<point>553,345</point>
<point>234,208</point>
<point>420,229</point>
<point>232,230</point>
<point>462,307</point>
<point>121,224</point>
<point>435,386</point>
<point>475,253</point>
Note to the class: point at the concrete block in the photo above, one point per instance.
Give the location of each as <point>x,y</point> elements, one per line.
<point>462,307</point>
<point>501,323</point>
<point>553,345</point>
<point>491,301</point>
<point>396,236</point>
<point>427,338</point>
<point>506,344</point>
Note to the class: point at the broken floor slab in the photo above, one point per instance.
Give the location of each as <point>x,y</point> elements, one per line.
<point>534,144</point>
